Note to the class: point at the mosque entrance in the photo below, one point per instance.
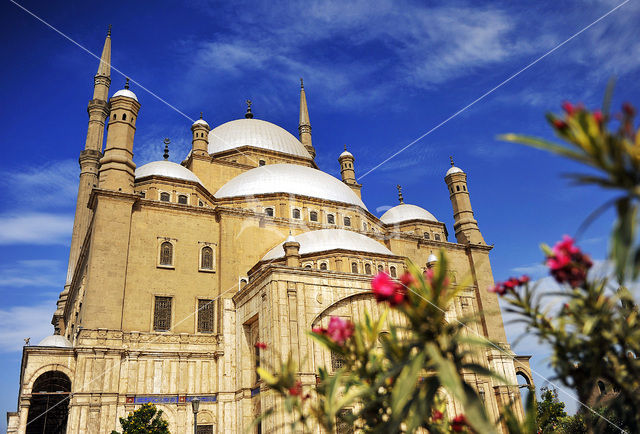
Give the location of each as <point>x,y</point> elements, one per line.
<point>49,405</point>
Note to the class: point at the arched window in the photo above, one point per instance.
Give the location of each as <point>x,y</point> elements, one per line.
<point>114,116</point>
<point>347,221</point>
<point>262,162</point>
<point>367,268</point>
<point>200,203</point>
<point>165,197</point>
<point>457,188</point>
<point>437,237</point>
<point>296,213</point>
<point>464,188</point>
<point>602,388</point>
<point>313,216</point>
<point>269,212</point>
<point>380,268</point>
<point>323,266</point>
<point>182,199</point>
<point>393,272</point>
<point>426,235</point>
<point>331,219</point>
<point>354,267</point>
<point>124,116</point>
<point>50,397</point>
<point>308,266</point>
<point>166,253</point>
<point>206,258</point>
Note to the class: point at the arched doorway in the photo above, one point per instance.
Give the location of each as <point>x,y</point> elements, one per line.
<point>49,405</point>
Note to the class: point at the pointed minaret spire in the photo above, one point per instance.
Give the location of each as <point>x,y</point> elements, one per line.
<point>400,198</point>
<point>166,148</point>
<point>103,76</point>
<point>304,127</point>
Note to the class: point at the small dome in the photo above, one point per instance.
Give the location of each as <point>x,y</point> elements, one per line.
<point>346,154</point>
<point>256,133</point>
<point>292,179</point>
<point>432,258</point>
<point>125,92</point>
<point>330,239</point>
<point>290,239</point>
<point>201,122</point>
<point>168,169</point>
<point>405,212</point>
<point>454,169</point>
<point>55,341</point>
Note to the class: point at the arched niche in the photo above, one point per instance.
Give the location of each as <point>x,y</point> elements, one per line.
<point>49,404</point>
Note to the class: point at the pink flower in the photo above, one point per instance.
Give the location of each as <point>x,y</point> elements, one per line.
<point>382,286</point>
<point>597,116</point>
<point>261,345</point>
<point>628,109</point>
<point>458,423</point>
<point>501,288</point>
<point>407,279</point>
<point>568,107</point>
<point>339,330</point>
<point>524,279</point>
<point>568,264</point>
<point>437,415</point>
<point>296,389</point>
<point>559,124</point>
<point>319,330</point>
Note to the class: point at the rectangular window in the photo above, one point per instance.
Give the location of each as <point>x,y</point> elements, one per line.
<point>337,361</point>
<point>343,422</point>
<point>205,316</point>
<point>162,314</point>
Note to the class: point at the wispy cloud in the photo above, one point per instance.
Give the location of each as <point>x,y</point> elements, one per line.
<point>35,228</point>
<point>19,322</point>
<point>32,273</point>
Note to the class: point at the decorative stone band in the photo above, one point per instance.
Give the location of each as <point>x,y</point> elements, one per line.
<point>169,399</point>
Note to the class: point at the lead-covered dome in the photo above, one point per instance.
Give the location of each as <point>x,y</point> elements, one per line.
<point>324,240</point>
<point>125,92</point>
<point>291,179</point>
<point>168,169</point>
<point>405,212</point>
<point>55,341</point>
<point>256,133</point>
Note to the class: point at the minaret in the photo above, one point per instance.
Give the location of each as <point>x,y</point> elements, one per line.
<point>466,227</point>
<point>304,128</point>
<point>98,110</point>
<point>117,167</point>
<point>348,171</point>
<point>200,140</point>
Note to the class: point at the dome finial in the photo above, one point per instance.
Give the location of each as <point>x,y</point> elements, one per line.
<point>248,114</point>
<point>400,198</point>
<point>109,31</point>
<point>166,148</point>
<point>200,115</point>
<point>126,85</point>
<point>345,146</point>
<point>301,83</point>
<point>451,158</point>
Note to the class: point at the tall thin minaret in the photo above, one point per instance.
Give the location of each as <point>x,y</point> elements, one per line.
<point>304,128</point>
<point>465,225</point>
<point>98,110</point>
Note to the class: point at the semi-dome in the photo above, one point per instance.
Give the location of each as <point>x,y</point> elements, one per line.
<point>292,179</point>
<point>405,212</point>
<point>125,92</point>
<point>454,169</point>
<point>256,133</point>
<point>168,169</point>
<point>331,239</point>
<point>55,341</point>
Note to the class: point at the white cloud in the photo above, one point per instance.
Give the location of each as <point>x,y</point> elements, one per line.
<point>19,322</point>
<point>33,273</point>
<point>35,228</point>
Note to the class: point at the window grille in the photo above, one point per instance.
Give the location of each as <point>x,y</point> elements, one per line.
<point>313,216</point>
<point>331,219</point>
<point>165,197</point>
<point>347,221</point>
<point>182,199</point>
<point>323,266</point>
<point>296,213</point>
<point>426,235</point>
<point>437,237</point>
<point>162,314</point>
<point>205,316</point>
<point>206,261</point>
<point>269,212</point>
<point>337,361</point>
<point>204,429</point>
<point>166,253</point>
<point>393,272</point>
<point>367,268</point>
<point>354,267</point>
<point>262,162</point>
<point>380,268</point>
<point>344,426</point>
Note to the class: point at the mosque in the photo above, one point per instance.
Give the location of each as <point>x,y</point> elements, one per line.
<point>177,270</point>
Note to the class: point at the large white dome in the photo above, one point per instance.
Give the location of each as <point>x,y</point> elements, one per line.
<point>405,212</point>
<point>168,169</point>
<point>330,239</point>
<point>257,133</point>
<point>291,179</point>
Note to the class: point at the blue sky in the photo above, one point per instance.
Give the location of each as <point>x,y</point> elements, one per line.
<point>377,74</point>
